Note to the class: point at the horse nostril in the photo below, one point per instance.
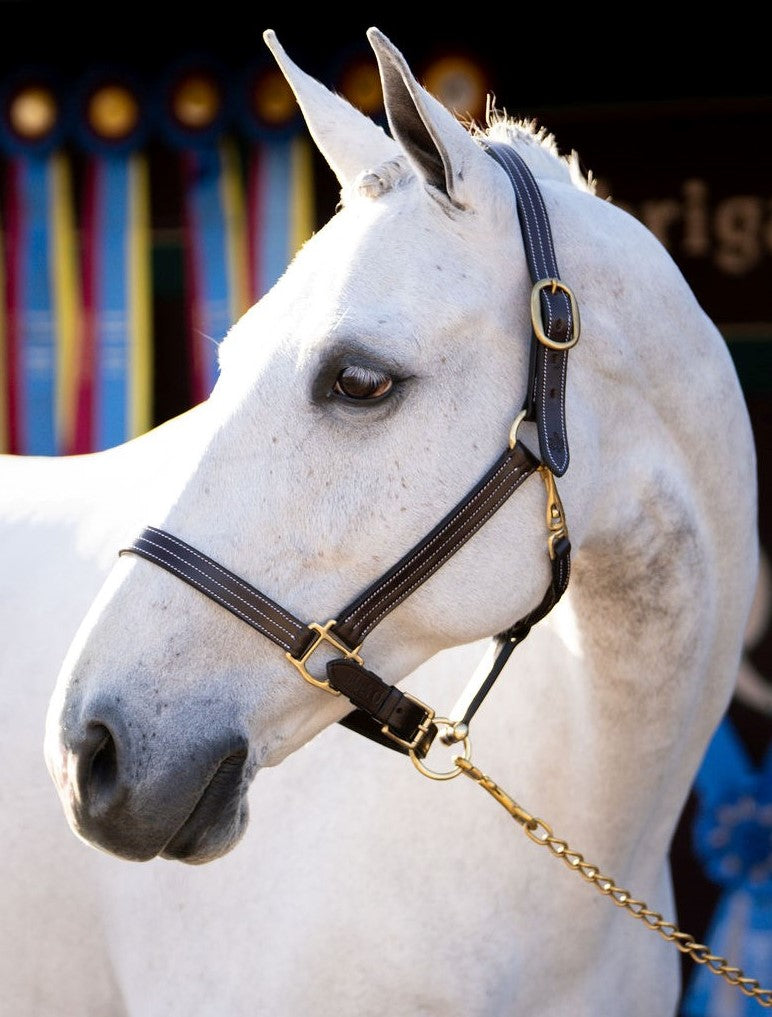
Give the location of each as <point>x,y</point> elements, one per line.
<point>98,765</point>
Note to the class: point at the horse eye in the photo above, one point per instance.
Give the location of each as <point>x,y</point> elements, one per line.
<point>362,384</point>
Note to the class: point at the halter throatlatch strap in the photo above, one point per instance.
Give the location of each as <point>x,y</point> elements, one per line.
<point>503,645</point>
<point>554,315</point>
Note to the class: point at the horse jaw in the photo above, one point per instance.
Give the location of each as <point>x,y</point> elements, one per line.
<point>348,140</point>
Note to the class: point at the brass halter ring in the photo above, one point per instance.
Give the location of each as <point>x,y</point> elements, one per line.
<point>455,733</point>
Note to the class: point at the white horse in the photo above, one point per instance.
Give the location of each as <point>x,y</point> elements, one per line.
<point>356,404</point>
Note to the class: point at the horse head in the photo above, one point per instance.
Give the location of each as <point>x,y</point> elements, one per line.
<point>356,404</point>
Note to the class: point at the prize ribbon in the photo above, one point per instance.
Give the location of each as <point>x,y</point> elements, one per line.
<point>41,299</point>
<point>280,180</point>
<point>733,840</point>
<point>195,115</point>
<point>115,363</point>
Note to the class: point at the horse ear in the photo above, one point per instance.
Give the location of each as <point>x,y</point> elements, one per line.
<point>438,146</point>
<point>348,140</point>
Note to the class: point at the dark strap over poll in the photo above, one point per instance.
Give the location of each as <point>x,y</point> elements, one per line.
<point>554,315</point>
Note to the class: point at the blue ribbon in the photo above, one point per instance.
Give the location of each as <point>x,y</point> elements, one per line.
<point>31,179</point>
<point>274,236</point>
<point>112,319</point>
<point>37,346</point>
<point>732,835</point>
<point>114,416</point>
<point>209,237</point>
<point>209,257</point>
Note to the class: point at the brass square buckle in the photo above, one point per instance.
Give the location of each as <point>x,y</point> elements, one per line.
<point>424,729</point>
<point>538,323</point>
<point>322,636</point>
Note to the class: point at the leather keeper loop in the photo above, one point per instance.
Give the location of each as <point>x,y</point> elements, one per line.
<point>402,720</point>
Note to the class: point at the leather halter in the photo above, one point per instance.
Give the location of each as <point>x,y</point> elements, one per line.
<point>383,712</point>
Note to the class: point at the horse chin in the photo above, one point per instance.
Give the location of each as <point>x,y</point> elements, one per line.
<point>218,821</point>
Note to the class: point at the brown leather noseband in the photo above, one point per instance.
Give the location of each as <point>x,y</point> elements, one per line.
<point>383,712</point>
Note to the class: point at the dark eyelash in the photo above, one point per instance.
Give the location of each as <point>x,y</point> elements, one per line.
<point>360,384</point>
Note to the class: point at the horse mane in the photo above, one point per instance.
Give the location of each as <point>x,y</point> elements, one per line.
<point>535,144</point>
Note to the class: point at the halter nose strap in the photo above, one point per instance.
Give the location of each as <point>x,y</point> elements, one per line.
<point>382,712</point>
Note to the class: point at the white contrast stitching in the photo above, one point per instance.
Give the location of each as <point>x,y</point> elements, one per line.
<point>516,168</point>
<point>382,589</point>
<point>561,414</point>
<point>225,572</point>
<point>205,589</point>
<point>513,166</point>
<point>423,578</point>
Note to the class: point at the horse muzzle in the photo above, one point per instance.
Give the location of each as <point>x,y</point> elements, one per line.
<point>127,795</point>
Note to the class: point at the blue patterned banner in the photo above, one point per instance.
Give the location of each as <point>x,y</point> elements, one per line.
<point>195,118</point>
<point>115,364</point>
<point>733,840</point>
<point>41,287</point>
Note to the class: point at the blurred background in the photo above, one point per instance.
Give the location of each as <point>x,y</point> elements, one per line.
<point>156,179</point>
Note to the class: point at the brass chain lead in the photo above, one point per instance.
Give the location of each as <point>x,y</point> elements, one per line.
<point>541,833</point>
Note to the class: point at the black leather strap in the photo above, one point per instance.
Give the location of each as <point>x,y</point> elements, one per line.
<point>378,706</point>
<point>472,698</point>
<point>414,568</point>
<point>224,587</point>
<point>546,396</point>
<point>384,713</point>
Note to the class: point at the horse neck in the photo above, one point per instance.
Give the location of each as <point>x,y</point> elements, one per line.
<point>618,691</point>
<point>539,150</point>
<point>596,734</point>
<point>635,669</point>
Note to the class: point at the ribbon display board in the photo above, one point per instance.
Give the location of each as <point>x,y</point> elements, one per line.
<point>77,313</point>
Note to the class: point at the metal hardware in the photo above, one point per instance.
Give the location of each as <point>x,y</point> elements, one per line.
<point>455,733</point>
<point>517,812</point>
<point>445,774</point>
<point>322,636</point>
<point>536,318</point>
<point>556,517</point>
<point>414,745</point>
<point>541,833</point>
<point>513,429</point>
